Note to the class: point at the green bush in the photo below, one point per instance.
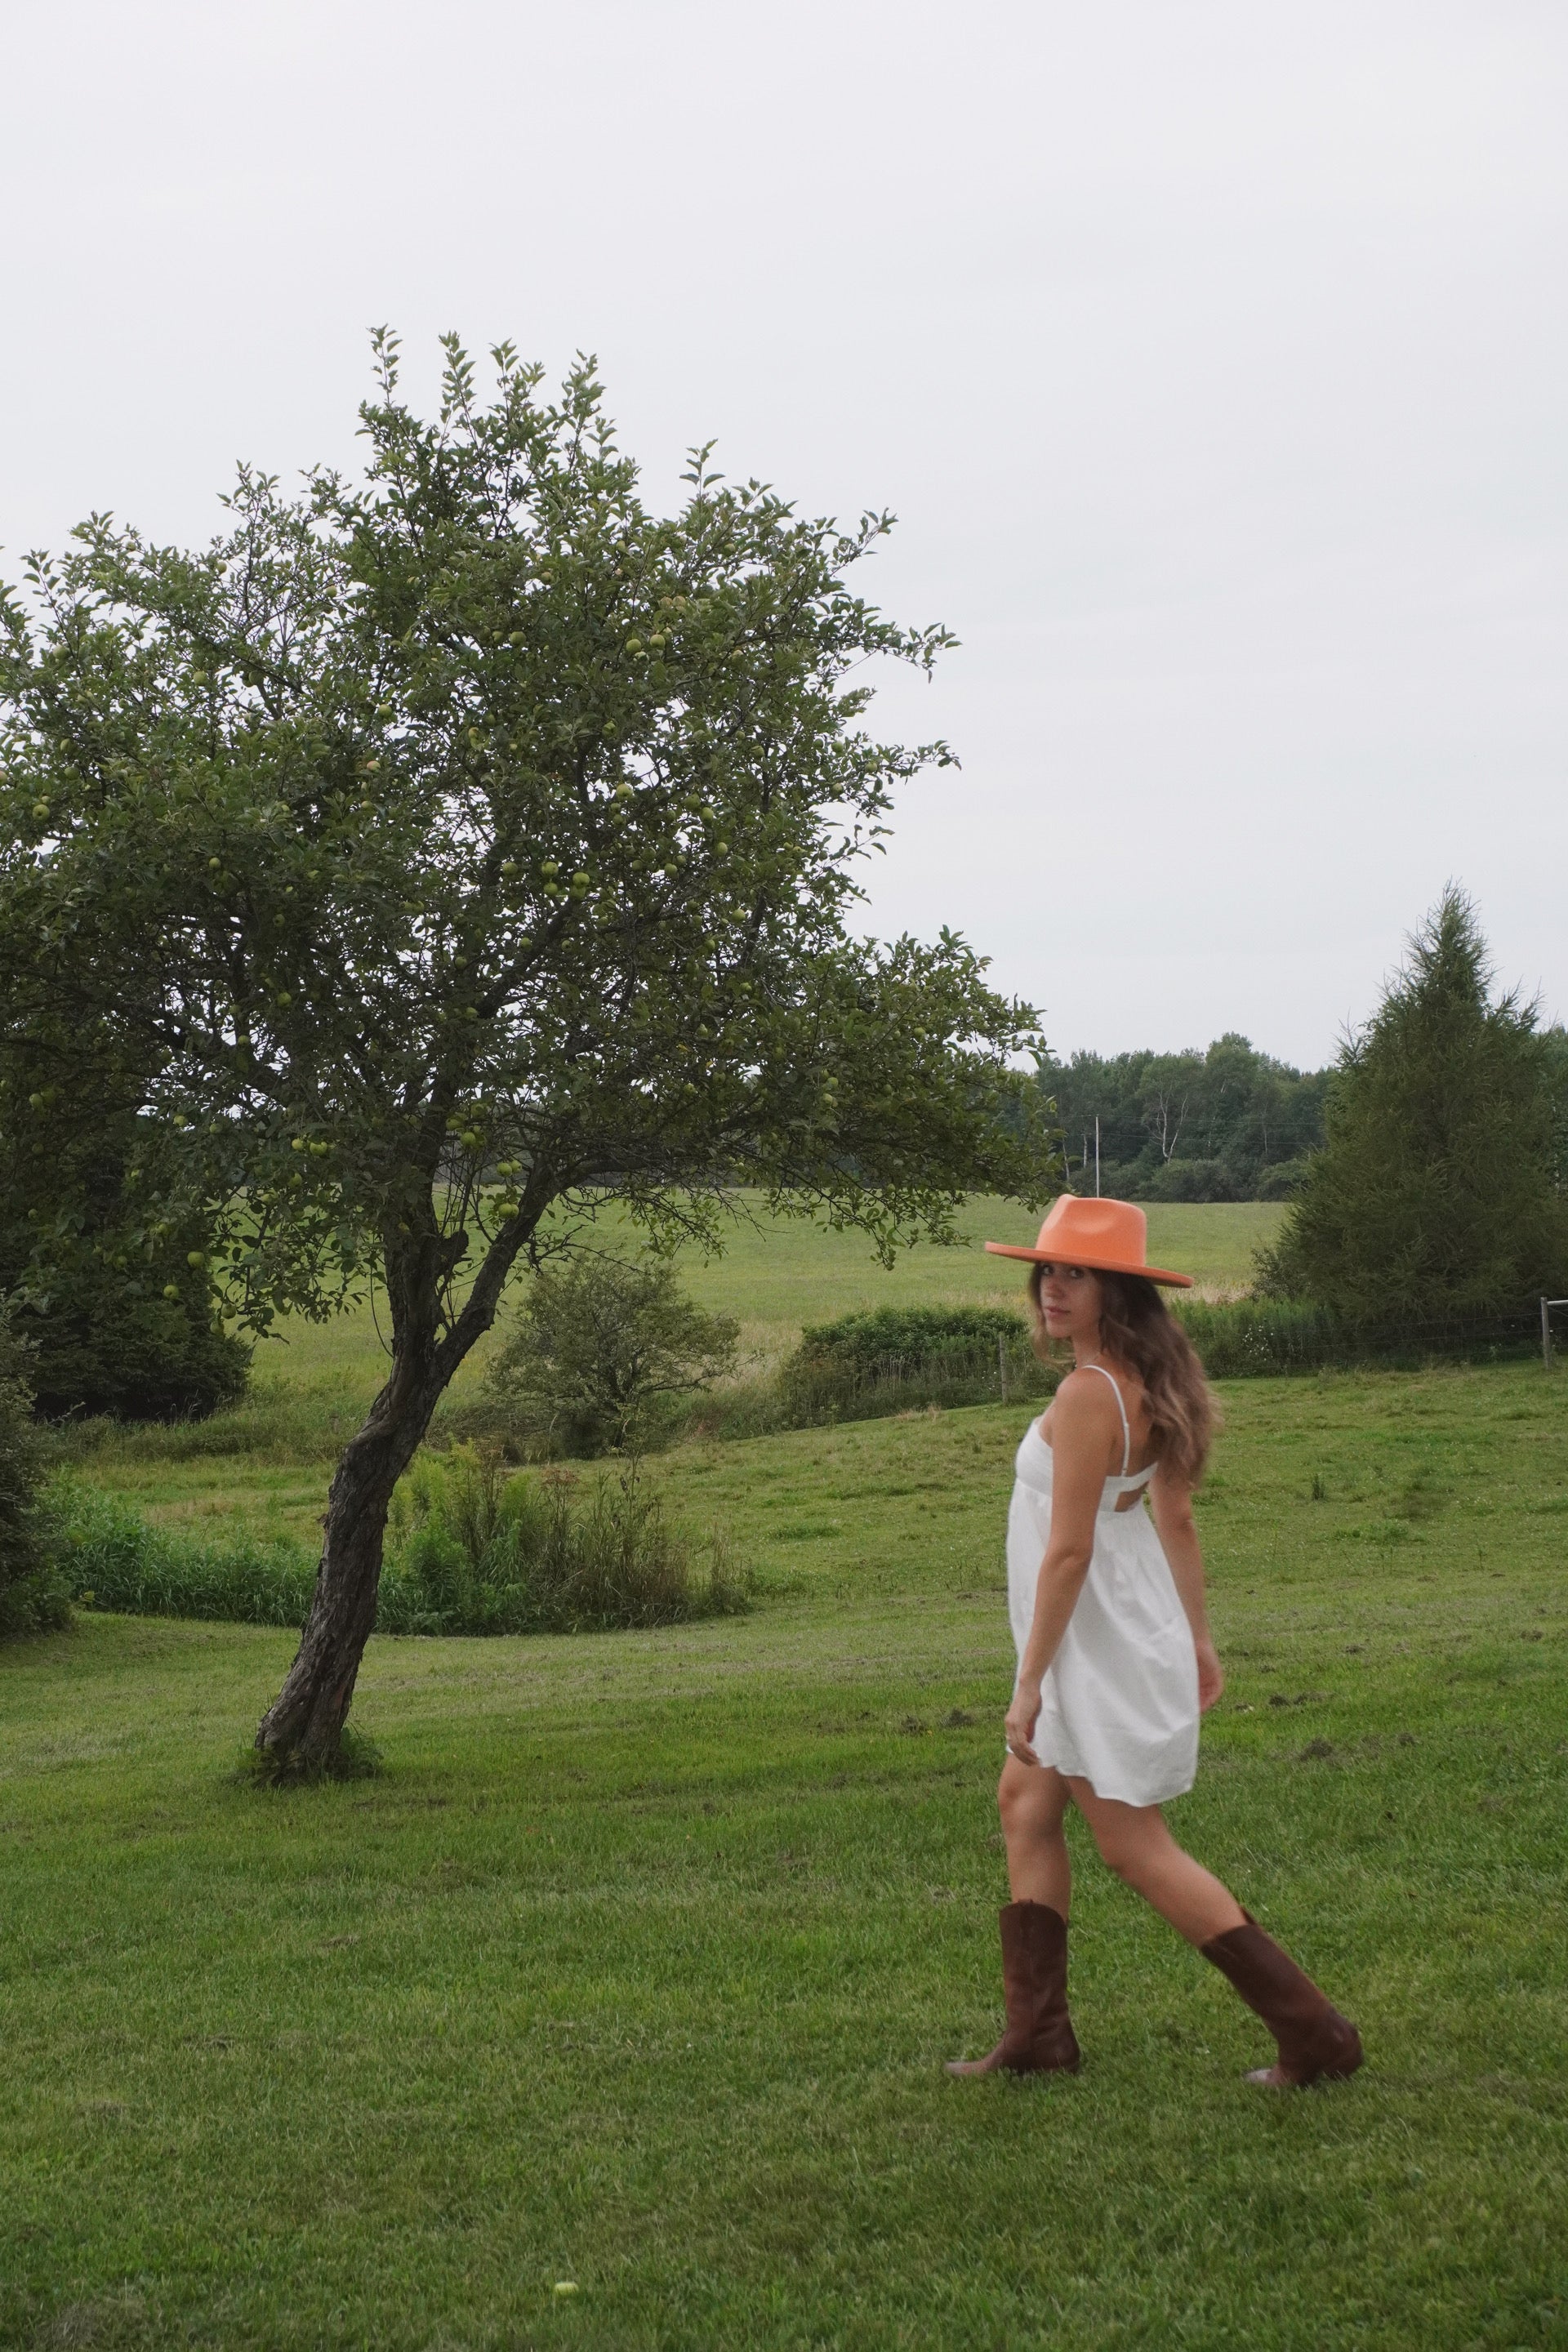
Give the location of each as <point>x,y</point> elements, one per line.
<point>894,1359</point>
<point>120,1320</point>
<point>912,1335</point>
<point>1194,1179</point>
<point>1282,1181</point>
<point>33,1594</point>
<point>602,1358</point>
<point>112,1560</point>
<point>104,1352</point>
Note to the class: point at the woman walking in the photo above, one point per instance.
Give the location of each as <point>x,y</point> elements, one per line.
<point>1115,1659</point>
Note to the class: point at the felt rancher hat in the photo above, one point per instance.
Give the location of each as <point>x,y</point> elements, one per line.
<point>1107,1236</point>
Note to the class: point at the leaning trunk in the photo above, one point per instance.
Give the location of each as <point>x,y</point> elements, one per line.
<point>302,1728</point>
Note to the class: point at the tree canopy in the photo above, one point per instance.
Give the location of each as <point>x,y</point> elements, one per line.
<point>440,851</point>
<point>32,1592</point>
<point>1437,1192</point>
<point>109,1287</point>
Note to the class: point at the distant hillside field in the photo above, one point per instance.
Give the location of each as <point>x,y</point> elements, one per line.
<point>779,1273</point>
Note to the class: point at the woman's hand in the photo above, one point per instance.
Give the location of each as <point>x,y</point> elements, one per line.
<point>1022,1717</point>
<point>1211,1674</point>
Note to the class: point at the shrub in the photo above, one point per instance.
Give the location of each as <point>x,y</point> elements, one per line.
<point>474,1550</point>
<point>112,1560</point>
<point>896,1357</point>
<point>1281,1180</point>
<point>1257,1338</point>
<point>120,1320</point>
<point>32,1593</point>
<point>601,1358</point>
<point>1192,1179</point>
<point>135,1359</point>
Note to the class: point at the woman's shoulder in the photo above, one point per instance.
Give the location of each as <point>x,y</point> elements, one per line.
<point>1083,1396</point>
<point>1098,1395</point>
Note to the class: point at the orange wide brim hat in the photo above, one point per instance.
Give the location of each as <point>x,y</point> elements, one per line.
<point>1107,1236</point>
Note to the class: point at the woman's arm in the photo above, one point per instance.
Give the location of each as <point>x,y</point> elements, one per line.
<point>1082,1435</point>
<point>1172,1504</point>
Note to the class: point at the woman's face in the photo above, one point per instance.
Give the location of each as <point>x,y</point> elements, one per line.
<point>1069,1301</point>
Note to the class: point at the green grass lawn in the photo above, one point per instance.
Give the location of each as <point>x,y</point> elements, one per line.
<point>636,1967</point>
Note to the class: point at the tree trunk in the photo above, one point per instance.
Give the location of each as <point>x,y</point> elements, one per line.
<point>303,1727</point>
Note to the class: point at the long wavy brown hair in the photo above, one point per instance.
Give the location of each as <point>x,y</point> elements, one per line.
<point>1138,1329</point>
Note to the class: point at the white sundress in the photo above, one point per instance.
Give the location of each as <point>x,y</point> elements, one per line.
<point>1119,1702</point>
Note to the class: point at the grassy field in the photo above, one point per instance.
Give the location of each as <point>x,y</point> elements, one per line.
<point>635,1969</point>
<point>776,1274</point>
<point>270,1461</point>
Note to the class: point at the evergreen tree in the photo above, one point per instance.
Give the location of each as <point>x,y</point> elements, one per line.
<point>1436,1192</point>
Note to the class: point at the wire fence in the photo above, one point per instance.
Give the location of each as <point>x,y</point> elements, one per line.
<point>1256,1337</point>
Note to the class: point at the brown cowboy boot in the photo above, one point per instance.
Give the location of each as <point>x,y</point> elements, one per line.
<point>1040,2039</point>
<point>1314,2039</point>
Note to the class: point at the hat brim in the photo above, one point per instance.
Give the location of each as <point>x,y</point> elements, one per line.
<point>1095,1265</point>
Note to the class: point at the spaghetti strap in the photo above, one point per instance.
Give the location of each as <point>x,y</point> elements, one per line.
<point>1121,1409</point>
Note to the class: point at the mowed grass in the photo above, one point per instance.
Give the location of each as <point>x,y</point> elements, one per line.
<point>636,1968</point>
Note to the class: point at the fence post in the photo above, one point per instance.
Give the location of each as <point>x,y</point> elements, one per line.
<point>1546,1330</point>
<point>1001,1362</point>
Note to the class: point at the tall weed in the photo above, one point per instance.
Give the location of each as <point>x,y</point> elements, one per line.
<point>470,1551</point>
<point>474,1549</point>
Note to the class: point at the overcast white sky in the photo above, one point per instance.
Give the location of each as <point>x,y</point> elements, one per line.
<point>1213,353</point>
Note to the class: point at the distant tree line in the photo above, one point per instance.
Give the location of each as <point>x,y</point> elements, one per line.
<point>1230,1124</point>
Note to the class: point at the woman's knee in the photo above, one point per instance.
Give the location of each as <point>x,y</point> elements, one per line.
<point>1028,1805</point>
<point>1012,1799</point>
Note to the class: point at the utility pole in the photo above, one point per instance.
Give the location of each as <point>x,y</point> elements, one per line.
<point>1097,1159</point>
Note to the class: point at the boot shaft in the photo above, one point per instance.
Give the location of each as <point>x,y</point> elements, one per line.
<point>1313,2039</point>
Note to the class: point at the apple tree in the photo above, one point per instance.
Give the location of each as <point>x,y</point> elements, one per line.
<point>448,848</point>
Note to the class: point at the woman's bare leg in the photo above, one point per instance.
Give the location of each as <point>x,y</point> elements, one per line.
<point>1032,1800</point>
<point>1136,1844</point>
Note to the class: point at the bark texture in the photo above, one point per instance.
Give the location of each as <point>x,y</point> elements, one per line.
<point>303,1727</point>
